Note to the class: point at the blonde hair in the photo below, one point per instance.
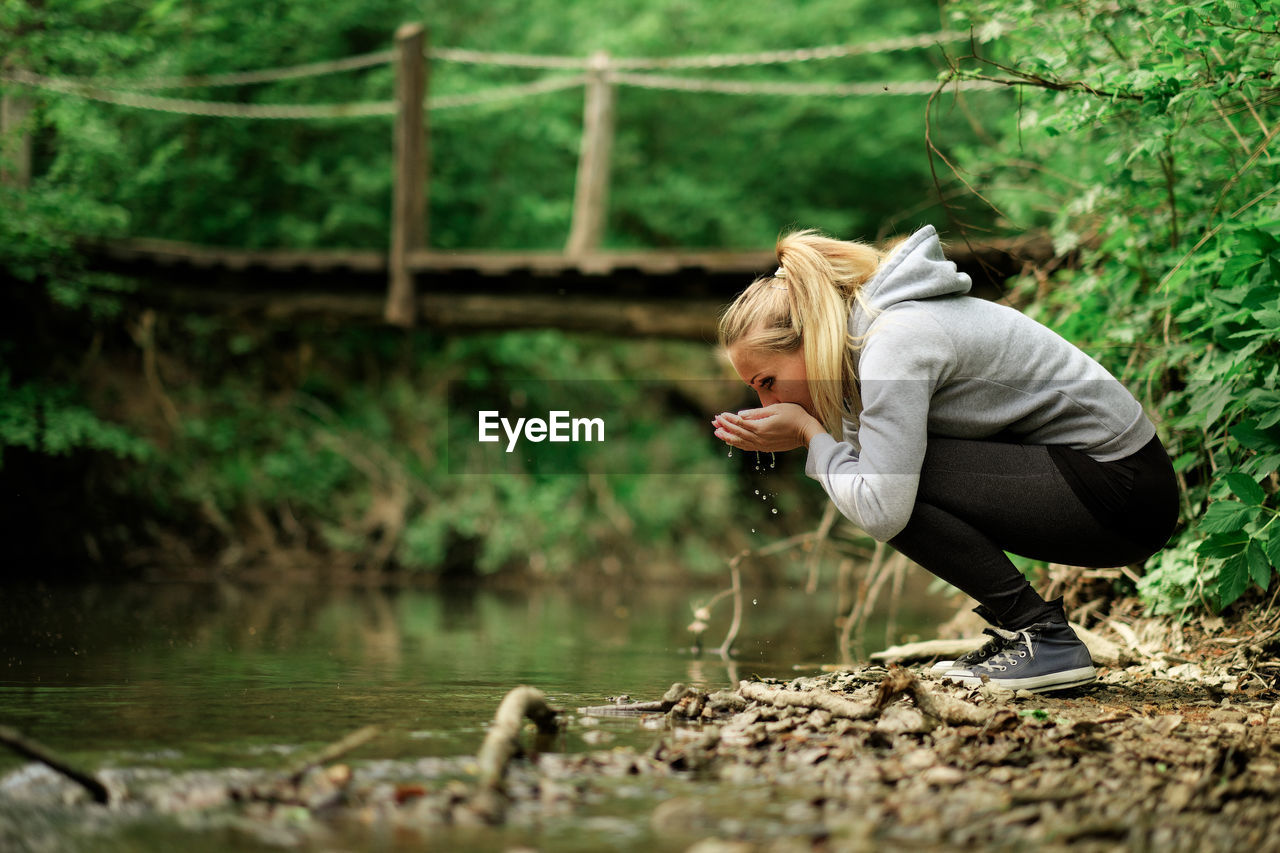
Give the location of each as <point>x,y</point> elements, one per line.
<point>805,306</point>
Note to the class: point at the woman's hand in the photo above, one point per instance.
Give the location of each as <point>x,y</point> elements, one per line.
<point>782,426</point>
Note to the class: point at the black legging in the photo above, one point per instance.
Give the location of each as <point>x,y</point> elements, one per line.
<point>978,499</point>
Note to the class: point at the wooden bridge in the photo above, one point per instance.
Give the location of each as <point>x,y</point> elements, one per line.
<point>649,293</point>
<point>661,292</point>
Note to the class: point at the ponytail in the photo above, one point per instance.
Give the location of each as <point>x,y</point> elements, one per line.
<point>805,306</point>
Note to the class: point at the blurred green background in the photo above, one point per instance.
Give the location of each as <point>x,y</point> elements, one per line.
<point>135,441</point>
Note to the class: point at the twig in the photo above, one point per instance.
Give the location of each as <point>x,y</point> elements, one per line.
<point>337,749</point>
<point>846,629</point>
<point>824,528</point>
<point>895,596</point>
<point>28,748</point>
<point>1215,229</point>
<point>737,607</point>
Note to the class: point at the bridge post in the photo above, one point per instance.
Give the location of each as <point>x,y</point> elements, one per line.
<point>15,138</point>
<point>409,173</point>
<point>591,190</point>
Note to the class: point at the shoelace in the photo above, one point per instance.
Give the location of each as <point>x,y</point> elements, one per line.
<point>1004,659</point>
<point>1000,638</point>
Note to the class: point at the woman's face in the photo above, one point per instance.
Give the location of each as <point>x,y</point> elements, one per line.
<point>777,377</point>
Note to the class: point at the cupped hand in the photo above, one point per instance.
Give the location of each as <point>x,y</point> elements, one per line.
<point>782,426</point>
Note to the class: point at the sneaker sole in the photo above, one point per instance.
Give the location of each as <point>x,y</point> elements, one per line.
<point>1063,680</point>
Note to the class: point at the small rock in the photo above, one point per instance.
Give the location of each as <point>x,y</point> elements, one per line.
<point>718,845</point>
<point>943,776</point>
<point>678,816</point>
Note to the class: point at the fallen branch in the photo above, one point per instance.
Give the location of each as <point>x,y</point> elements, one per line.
<point>927,650</point>
<point>674,694</point>
<point>899,682</point>
<point>823,700</point>
<point>940,706</point>
<point>28,748</point>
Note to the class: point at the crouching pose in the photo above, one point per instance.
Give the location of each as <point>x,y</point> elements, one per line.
<point>953,428</point>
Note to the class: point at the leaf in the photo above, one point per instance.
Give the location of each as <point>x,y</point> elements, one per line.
<point>1223,544</point>
<point>1226,517</point>
<point>1273,550</point>
<point>1245,488</point>
<point>1233,579</point>
<point>1259,564</point>
<point>1249,435</point>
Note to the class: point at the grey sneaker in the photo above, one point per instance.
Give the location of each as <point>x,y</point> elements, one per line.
<point>1041,657</point>
<point>1000,640</point>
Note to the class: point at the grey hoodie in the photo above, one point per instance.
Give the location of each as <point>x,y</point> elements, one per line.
<point>935,361</point>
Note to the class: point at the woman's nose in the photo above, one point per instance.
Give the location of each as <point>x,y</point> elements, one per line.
<point>767,398</point>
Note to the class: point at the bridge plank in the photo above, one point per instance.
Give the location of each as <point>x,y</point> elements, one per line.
<point>746,262</point>
<point>686,319</point>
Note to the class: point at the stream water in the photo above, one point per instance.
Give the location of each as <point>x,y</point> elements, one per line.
<point>183,676</point>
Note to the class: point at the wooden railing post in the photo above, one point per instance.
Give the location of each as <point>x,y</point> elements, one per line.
<point>591,191</point>
<point>15,139</point>
<point>409,173</point>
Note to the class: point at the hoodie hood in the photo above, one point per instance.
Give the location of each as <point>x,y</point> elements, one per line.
<point>916,270</point>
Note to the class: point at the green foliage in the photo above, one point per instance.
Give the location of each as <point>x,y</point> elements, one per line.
<point>1142,142</point>
<point>53,421</point>
<point>366,463</point>
<point>41,406</point>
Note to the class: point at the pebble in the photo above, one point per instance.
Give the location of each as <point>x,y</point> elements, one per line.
<point>943,776</point>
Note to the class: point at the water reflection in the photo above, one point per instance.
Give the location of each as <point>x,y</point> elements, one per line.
<point>217,674</point>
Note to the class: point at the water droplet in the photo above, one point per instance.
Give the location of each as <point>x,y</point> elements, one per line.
<point>757,460</point>
<point>753,530</point>
<point>757,491</point>
<point>774,510</point>
<point>753,601</point>
<point>773,460</point>
<point>730,451</point>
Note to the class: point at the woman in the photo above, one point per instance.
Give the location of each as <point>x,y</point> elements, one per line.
<point>954,429</point>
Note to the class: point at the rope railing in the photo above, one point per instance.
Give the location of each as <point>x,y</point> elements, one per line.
<point>838,90</point>
<point>715,60</point>
<point>230,109</point>
<point>241,78</point>
<point>186,106</point>
<point>98,85</point>
<point>497,94</point>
